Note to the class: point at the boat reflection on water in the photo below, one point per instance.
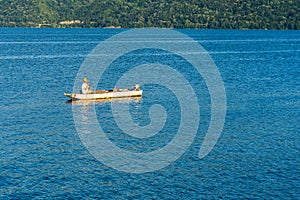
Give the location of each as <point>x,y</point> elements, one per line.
<point>84,112</point>
<point>86,119</point>
<point>102,101</point>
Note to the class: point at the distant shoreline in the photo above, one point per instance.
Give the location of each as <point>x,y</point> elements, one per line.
<point>120,27</point>
<point>205,14</point>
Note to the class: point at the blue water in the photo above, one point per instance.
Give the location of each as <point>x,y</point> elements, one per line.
<point>257,155</point>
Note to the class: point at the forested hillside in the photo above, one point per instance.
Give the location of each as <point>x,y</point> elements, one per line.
<point>212,14</point>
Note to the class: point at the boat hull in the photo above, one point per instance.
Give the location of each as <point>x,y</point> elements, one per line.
<point>105,95</point>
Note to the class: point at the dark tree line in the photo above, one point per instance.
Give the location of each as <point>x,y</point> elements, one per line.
<point>211,14</point>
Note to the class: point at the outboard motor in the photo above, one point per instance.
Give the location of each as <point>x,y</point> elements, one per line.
<point>137,87</point>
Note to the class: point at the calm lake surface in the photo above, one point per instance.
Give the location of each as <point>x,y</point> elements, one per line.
<point>257,155</point>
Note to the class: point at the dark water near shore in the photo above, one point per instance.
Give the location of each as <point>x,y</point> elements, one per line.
<point>257,155</point>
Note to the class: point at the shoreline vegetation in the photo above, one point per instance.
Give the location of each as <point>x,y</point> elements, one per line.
<point>201,14</point>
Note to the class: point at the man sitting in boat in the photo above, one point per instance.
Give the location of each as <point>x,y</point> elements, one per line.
<point>86,86</point>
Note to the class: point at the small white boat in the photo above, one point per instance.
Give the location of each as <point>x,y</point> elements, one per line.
<point>106,94</point>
